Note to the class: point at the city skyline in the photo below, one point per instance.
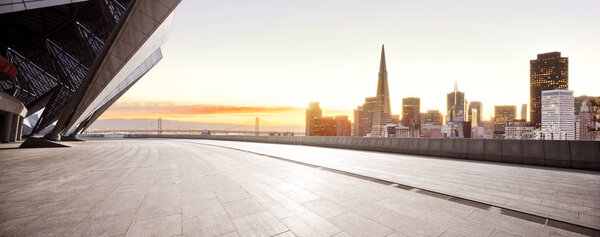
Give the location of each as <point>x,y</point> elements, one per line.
<point>260,69</point>
<point>221,132</point>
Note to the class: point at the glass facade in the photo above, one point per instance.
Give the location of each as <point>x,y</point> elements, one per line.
<point>503,114</point>
<point>76,57</point>
<point>145,52</point>
<point>558,115</point>
<point>549,71</point>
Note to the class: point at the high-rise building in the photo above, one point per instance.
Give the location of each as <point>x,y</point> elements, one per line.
<point>363,120</point>
<point>317,125</point>
<point>356,123</point>
<point>503,114</point>
<point>409,115</point>
<point>524,112</point>
<point>549,71</point>
<point>433,117</point>
<point>584,119</point>
<point>414,104</point>
<point>326,126</point>
<point>383,112</point>
<point>343,126</point>
<point>456,105</point>
<point>558,115</point>
<point>313,113</point>
<point>475,113</point>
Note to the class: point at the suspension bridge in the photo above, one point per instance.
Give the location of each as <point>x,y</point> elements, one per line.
<point>168,127</point>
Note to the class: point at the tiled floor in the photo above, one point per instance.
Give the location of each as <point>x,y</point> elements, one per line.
<point>168,187</point>
<point>568,195</point>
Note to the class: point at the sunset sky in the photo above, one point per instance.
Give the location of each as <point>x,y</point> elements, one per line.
<point>229,61</point>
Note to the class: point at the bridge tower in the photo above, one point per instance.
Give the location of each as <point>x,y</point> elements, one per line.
<point>159,129</point>
<point>256,129</point>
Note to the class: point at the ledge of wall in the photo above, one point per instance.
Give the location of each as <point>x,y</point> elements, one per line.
<point>564,154</point>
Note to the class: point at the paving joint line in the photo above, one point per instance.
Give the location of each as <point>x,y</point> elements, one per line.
<point>473,203</point>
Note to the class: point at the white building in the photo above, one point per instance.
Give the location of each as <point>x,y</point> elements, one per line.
<point>558,115</point>
<point>395,130</point>
<point>518,129</point>
<point>431,131</point>
<point>478,132</point>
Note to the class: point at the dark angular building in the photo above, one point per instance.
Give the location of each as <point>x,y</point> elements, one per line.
<point>549,71</point>
<point>76,58</point>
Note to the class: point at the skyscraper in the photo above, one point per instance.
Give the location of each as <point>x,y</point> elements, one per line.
<point>364,122</point>
<point>503,114</point>
<point>383,112</point>
<point>475,107</point>
<point>326,126</point>
<point>414,104</point>
<point>455,105</point>
<point>343,126</point>
<point>433,117</point>
<point>313,114</point>
<point>524,112</point>
<point>558,115</point>
<point>549,71</point>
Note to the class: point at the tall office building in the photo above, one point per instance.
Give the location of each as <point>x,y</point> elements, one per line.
<point>475,113</point>
<point>363,120</point>
<point>356,123</point>
<point>313,114</point>
<point>411,106</point>
<point>433,117</point>
<point>558,115</point>
<point>383,112</point>
<point>524,112</point>
<point>317,125</point>
<point>503,114</point>
<point>549,71</point>
<point>343,126</point>
<point>455,105</point>
<point>326,126</point>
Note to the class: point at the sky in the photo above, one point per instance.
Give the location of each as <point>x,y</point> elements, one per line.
<point>232,60</point>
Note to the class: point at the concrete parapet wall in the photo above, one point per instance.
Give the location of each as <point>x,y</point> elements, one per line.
<point>564,154</point>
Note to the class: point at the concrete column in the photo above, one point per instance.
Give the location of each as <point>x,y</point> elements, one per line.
<point>20,129</point>
<point>14,127</point>
<point>6,127</point>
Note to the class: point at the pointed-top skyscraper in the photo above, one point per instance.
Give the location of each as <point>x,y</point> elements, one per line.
<point>383,111</point>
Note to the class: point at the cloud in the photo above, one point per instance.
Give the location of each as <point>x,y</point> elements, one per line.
<point>155,108</point>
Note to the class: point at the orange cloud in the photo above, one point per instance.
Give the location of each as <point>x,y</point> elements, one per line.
<point>142,109</point>
<point>275,115</point>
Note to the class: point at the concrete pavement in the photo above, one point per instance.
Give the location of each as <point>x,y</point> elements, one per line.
<point>166,187</point>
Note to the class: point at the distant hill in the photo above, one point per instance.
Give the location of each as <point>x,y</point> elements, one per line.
<point>148,124</point>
